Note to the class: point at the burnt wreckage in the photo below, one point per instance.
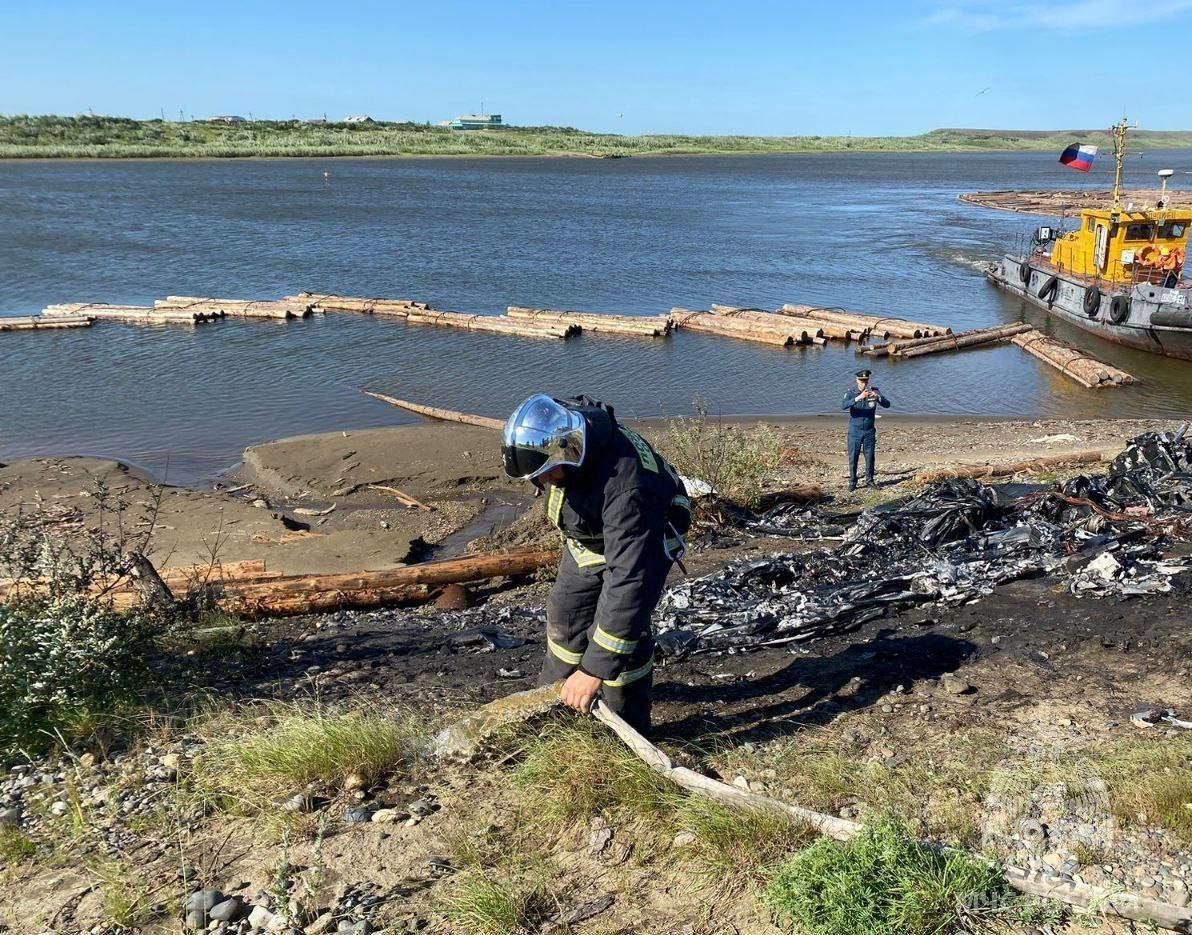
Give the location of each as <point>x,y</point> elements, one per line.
<point>953,543</point>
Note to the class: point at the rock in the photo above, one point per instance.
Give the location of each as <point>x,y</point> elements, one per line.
<point>509,673</point>
<point>454,597</point>
<point>363,927</point>
<point>423,808</point>
<point>590,909</point>
<point>260,918</point>
<point>203,901</point>
<point>684,839</point>
<point>230,910</point>
<point>58,809</point>
<point>1177,894</point>
<point>358,815</point>
<point>1053,861</point>
<point>600,837</point>
<point>299,803</point>
<point>170,761</point>
<point>10,818</point>
<point>355,781</point>
<point>196,920</point>
<point>321,925</point>
<point>384,816</point>
<point>439,865</point>
<point>954,685</point>
<point>850,813</point>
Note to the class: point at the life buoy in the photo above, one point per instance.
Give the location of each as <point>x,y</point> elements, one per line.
<point>1049,289</point>
<point>1119,309</point>
<point>1092,301</point>
<point>1024,271</point>
<point>1148,256</point>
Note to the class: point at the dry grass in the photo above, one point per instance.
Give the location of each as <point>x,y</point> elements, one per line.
<point>15,847</point>
<point>251,762</point>
<point>483,902</point>
<point>1150,783</point>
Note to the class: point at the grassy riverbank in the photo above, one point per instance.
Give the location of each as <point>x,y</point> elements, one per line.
<point>50,137</point>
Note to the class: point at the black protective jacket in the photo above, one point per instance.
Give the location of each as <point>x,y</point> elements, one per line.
<point>620,514</point>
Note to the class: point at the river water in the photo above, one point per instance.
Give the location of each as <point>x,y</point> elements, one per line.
<point>880,233</point>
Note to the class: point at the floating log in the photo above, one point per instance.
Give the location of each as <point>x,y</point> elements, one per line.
<point>1080,366</point>
<point>1033,466</point>
<point>44,323</point>
<point>885,327</point>
<point>720,325</point>
<point>135,314</point>
<point>328,302</point>
<point>238,308</point>
<point>805,330</point>
<point>493,324</point>
<point>444,415</point>
<point>955,342</point>
<point>598,322</point>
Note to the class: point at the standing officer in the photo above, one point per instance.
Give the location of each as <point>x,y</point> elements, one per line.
<point>622,511</point>
<point>861,404</point>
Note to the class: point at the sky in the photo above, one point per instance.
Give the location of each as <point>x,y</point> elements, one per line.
<point>860,67</point>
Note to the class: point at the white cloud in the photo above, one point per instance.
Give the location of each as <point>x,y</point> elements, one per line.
<point>1076,14</point>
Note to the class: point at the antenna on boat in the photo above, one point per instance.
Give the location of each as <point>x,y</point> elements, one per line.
<point>1164,175</point>
<point>1118,132</point>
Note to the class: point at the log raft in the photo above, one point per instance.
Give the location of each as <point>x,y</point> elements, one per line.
<point>238,308</point>
<point>707,323</point>
<point>873,324</point>
<point>1071,362</point>
<point>133,314</point>
<point>493,324</point>
<point>396,308</point>
<point>597,322</point>
<point>951,342</point>
<point>806,330</point>
<point>44,322</point>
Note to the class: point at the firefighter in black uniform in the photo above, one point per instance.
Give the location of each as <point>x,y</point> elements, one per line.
<point>622,511</point>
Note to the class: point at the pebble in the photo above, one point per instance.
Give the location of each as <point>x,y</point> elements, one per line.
<point>58,809</point>
<point>203,901</point>
<point>10,817</point>
<point>227,911</point>
<point>321,925</point>
<point>684,839</point>
<point>601,836</point>
<point>260,917</point>
<point>358,815</point>
<point>196,920</point>
<point>954,685</point>
<point>384,816</point>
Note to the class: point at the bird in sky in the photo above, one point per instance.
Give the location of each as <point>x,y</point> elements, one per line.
<point>982,91</point>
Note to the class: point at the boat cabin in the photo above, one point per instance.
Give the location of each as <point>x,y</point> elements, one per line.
<point>1125,246</point>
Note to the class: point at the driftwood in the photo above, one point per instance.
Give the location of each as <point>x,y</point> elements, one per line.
<point>403,498</point>
<point>1076,364</point>
<point>955,342</point>
<point>897,327</point>
<point>155,594</point>
<point>44,323</point>
<point>1033,466</point>
<point>444,415</point>
<point>596,322</point>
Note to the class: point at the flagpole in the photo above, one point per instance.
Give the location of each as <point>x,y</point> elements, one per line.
<point>1119,154</point>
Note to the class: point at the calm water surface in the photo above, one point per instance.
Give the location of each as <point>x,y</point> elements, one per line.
<point>878,233</point>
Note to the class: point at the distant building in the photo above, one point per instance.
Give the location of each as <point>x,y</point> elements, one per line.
<point>476,122</point>
<point>359,118</point>
<point>226,118</point>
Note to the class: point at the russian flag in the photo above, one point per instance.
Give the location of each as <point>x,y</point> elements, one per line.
<point>1079,157</point>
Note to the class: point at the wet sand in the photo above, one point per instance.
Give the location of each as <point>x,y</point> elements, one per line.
<point>455,470</point>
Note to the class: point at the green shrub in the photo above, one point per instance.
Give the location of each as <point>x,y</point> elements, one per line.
<point>883,882</point>
<point>64,662</point>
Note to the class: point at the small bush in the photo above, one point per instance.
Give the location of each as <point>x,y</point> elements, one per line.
<point>250,768</point>
<point>738,848</point>
<point>578,769</point>
<point>883,883</point>
<point>64,662</point>
<point>735,460</point>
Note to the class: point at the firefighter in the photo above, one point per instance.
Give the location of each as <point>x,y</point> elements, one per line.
<point>622,512</point>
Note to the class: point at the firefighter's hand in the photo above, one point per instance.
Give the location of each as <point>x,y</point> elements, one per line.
<point>580,691</point>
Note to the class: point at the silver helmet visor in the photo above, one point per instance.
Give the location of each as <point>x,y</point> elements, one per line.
<point>542,434</point>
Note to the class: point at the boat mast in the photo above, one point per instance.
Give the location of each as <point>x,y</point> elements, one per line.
<point>1118,131</point>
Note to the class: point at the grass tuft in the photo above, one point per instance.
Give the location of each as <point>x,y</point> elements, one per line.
<point>15,847</point>
<point>577,769</point>
<point>739,848</point>
<point>250,768</point>
<point>882,882</point>
<point>479,904</point>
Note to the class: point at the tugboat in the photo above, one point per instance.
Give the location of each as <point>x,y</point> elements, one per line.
<point>1119,274</point>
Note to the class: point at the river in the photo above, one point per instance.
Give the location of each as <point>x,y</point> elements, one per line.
<point>880,233</point>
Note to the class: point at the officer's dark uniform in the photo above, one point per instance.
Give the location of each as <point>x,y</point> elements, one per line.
<point>621,514</point>
<point>862,435</point>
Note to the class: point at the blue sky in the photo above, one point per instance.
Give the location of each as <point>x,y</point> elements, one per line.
<point>732,66</point>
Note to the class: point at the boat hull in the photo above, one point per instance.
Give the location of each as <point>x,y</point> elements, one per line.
<point>1066,299</point>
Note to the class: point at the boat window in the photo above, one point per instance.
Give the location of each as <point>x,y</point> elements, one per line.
<point>1088,226</point>
<point>1175,229</point>
<point>1139,231</point>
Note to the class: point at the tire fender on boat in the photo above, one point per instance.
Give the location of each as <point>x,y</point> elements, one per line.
<point>1119,309</point>
<point>1024,271</point>
<point>1049,289</point>
<point>1092,301</point>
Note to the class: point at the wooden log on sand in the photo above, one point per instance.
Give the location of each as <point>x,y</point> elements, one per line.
<point>955,342</point>
<point>809,327</point>
<point>239,308</point>
<point>1033,466</point>
<point>444,415</point>
<point>44,323</point>
<point>1071,362</point>
<point>326,302</point>
<point>133,314</point>
<point>492,324</point>
<point>723,326</point>
<point>597,322</point>
<point>885,327</point>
